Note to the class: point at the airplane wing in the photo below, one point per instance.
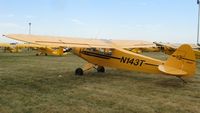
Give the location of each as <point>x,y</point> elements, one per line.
<point>55,41</point>
<point>60,41</point>
<point>133,44</point>
<point>175,45</point>
<point>29,45</point>
<point>21,45</point>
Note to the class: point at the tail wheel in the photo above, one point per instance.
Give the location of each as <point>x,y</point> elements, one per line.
<point>45,54</point>
<point>100,69</point>
<point>79,72</point>
<point>37,54</point>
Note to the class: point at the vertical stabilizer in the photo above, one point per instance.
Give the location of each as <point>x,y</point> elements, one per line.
<point>181,63</point>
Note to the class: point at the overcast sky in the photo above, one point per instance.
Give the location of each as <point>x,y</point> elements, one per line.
<point>151,20</point>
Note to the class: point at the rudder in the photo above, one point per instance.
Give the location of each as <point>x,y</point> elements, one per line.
<point>181,63</point>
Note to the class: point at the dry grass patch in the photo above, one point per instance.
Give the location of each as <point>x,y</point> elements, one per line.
<point>39,84</point>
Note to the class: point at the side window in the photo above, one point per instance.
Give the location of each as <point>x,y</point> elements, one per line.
<point>105,51</point>
<point>102,51</point>
<point>91,49</point>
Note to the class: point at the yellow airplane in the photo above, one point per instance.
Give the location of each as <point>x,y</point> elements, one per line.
<point>43,50</point>
<point>110,53</point>
<point>169,48</point>
<point>50,51</point>
<point>12,47</point>
<point>145,47</point>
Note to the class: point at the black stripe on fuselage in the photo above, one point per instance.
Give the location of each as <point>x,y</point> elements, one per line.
<point>151,64</point>
<point>184,58</point>
<point>98,55</point>
<point>189,59</point>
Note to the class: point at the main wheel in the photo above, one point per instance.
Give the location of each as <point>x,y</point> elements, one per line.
<point>100,69</point>
<point>79,72</point>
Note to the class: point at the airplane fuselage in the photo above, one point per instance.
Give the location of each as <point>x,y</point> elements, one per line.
<point>120,58</point>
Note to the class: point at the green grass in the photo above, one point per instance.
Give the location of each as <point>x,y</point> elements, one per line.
<point>39,84</point>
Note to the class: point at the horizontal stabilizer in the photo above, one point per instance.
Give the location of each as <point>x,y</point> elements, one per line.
<point>171,70</point>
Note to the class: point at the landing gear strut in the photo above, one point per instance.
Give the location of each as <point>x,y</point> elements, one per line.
<point>87,67</point>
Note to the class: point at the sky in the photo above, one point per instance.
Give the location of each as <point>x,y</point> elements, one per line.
<point>151,20</point>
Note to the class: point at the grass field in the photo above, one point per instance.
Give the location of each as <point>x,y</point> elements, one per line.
<point>40,84</point>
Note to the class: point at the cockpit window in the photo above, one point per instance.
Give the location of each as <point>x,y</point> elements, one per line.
<point>102,51</point>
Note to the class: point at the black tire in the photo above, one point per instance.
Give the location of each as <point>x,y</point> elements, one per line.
<point>45,54</point>
<point>100,69</point>
<point>37,54</point>
<point>79,72</point>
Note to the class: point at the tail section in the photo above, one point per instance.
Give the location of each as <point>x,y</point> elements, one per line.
<point>181,63</point>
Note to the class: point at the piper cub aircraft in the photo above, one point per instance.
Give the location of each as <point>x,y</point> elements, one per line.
<point>111,53</point>
<point>10,47</point>
<point>169,48</point>
<point>49,51</point>
<point>42,50</point>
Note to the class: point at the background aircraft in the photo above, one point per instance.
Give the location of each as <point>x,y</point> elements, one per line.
<point>42,50</point>
<point>169,48</point>
<point>10,47</point>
